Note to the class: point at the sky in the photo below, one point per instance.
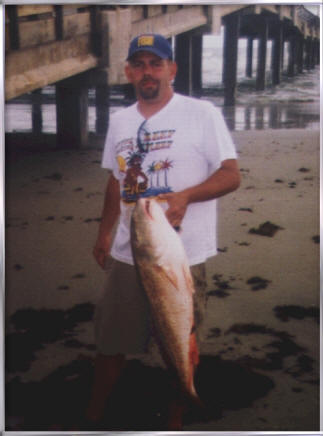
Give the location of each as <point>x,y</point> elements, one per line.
<point>315,9</point>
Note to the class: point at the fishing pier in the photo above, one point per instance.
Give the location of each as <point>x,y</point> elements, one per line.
<point>76,47</point>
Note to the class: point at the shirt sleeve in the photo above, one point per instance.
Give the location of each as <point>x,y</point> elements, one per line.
<point>218,143</point>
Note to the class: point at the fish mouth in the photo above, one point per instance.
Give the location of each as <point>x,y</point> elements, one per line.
<point>147,208</point>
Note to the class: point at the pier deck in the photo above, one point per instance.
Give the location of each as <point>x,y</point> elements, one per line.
<point>79,46</point>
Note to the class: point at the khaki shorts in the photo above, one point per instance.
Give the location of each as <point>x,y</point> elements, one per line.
<point>122,316</point>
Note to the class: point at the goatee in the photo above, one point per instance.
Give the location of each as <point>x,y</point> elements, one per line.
<point>148,92</point>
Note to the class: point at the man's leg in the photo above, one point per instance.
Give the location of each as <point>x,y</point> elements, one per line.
<point>107,370</point>
<point>122,326</point>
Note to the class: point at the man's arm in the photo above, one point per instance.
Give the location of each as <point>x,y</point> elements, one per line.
<point>226,179</point>
<point>110,214</point>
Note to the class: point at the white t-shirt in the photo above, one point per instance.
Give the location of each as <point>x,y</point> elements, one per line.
<point>178,147</point>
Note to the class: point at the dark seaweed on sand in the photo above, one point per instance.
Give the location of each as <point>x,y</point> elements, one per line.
<point>266,229</point>
<point>284,313</point>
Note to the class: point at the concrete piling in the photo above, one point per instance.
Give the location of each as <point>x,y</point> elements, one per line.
<point>249,57</point>
<point>197,49</point>
<point>262,55</point>
<point>277,54</point>
<point>102,104</point>
<point>183,58</point>
<point>300,54</point>
<point>292,56</point>
<point>71,114</point>
<point>36,113</point>
<point>230,57</point>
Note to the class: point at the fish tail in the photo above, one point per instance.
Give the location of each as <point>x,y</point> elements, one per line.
<point>193,351</point>
<point>194,360</point>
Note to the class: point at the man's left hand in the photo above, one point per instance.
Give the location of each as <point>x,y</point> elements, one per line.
<point>177,205</point>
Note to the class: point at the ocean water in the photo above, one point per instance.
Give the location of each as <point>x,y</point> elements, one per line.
<point>295,103</point>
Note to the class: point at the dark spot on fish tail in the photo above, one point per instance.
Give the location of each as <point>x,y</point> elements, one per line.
<point>177,228</point>
<point>284,313</point>
<point>316,239</point>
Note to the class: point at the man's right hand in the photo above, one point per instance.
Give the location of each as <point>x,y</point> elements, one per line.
<point>110,215</point>
<point>101,250</point>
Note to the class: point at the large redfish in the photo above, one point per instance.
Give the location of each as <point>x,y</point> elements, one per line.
<point>165,275</point>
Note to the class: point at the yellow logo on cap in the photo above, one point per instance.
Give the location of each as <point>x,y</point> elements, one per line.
<point>145,40</point>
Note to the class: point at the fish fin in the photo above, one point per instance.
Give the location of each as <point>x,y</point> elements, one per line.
<point>188,279</point>
<point>193,352</point>
<point>169,275</point>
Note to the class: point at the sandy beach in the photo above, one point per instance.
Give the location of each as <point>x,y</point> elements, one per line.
<point>260,363</point>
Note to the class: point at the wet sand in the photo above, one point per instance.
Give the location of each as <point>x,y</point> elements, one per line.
<point>260,363</point>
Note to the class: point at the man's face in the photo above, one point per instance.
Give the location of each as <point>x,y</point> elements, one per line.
<point>150,75</point>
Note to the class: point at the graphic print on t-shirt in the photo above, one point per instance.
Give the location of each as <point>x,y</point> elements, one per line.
<point>143,176</point>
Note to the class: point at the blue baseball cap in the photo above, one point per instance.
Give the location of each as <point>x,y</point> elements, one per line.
<point>153,43</point>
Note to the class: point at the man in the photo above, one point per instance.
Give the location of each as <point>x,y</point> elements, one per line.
<point>177,149</point>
